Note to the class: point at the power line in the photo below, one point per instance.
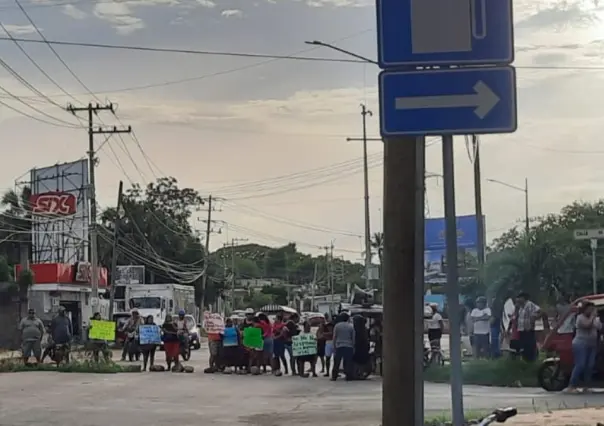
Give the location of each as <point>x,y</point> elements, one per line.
<point>253,55</point>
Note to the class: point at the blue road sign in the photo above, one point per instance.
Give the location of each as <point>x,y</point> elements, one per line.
<point>449,101</point>
<point>444,32</point>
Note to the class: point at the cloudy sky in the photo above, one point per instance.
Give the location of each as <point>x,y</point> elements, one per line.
<point>270,136</point>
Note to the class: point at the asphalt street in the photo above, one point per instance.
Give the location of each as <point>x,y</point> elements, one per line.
<point>148,399</point>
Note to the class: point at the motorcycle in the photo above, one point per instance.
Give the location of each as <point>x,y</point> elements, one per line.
<point>185,346</point>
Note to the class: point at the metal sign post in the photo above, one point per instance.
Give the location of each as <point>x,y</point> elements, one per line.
<point>593,235</point>
<point>472,91</point>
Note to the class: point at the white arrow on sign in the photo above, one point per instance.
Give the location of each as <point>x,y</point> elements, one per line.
<point>484,100</point>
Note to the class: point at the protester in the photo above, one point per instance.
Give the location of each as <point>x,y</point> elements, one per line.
<point>32,331</point>
<point>267,335</point>
<point>325,344</point>
<point>361,341</point>
<point>279,344</point>
<point>214,345</point>
<point>290,330</point>
<point>528,312</point>
<point>481,317</point>
<point>171,342</point>
<point>131,329</point>
<point>343,341</point>
<point>98,346</point>
<point>311,359</point>
<point>435,326</point>
<point>585,346</point>
<point>231,347</point>
<point>513,334</point>
<point>247,353</point>
<point>148,349</point>
<point>495,327</point>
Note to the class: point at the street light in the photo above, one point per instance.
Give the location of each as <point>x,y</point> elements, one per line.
<point>526,199</point>
<point>344,51</point>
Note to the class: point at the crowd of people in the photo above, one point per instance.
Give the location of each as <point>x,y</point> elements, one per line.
<point>339,338</point>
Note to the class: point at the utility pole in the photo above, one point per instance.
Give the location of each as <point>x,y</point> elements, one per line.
<point>92,110</point>
<point>478,204</point>
<point>206,252</point>
<point>364,113</point>
<point>331,280</point>
<point>234,242</point>
<point>114,253</point>
<point>314,285</point>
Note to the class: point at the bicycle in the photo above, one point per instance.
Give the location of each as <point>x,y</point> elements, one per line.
<point>500,415</point>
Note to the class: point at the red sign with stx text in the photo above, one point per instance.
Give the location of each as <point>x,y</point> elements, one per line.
<point>54,203</point>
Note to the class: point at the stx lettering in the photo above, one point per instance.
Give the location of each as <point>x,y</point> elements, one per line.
<point>54,203</point>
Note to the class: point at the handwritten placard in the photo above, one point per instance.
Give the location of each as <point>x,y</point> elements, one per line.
<point>102,330</point>
<point>304,345</point>
<point>149,334</point>
<point>213,323</point>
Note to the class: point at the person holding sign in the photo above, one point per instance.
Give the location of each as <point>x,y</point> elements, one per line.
<point>149,335</point>
<point>171,341</point>
<point>304,347</point>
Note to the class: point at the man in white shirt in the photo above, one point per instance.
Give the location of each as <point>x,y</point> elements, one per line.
<point>481,318</point>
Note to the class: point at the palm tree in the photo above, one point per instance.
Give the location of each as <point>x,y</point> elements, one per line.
<point>15,220</point>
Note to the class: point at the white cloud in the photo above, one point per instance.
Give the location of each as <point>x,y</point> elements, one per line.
<point>74,12</point>
<point>207,3</point>
<point>19,29</point>
<point>120,16</point>
<point>232,13</point>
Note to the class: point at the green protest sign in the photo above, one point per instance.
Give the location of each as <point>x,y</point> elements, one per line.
<point>252,338</point>
<point>304,345</point>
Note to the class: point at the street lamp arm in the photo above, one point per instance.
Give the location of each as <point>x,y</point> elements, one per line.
<point>338,49</point>
<point>517,188</point>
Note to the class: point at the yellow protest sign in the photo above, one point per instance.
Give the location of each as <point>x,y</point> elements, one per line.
<point>102,330</point>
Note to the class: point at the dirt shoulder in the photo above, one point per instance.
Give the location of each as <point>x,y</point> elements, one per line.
<point>582,417</point>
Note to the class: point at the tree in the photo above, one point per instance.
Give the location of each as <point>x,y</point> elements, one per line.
<point>15,224</point>
<point>155,231</point>
<point>377,243</point>
<point>279,295</point>
<point>548,261</point>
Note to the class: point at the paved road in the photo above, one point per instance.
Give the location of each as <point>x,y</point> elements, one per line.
<point>149,399</point>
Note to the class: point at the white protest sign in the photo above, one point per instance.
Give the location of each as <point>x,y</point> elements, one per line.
<point>304,345</point>
<point>213,323</point>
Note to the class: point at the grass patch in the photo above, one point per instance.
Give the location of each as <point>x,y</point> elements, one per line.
<point>504,372</point>
<point>75,366</point>
<point>445,418</point>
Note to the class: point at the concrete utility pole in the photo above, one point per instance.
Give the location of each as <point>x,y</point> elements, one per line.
<point>206,250</point>
<point>478,202</point>
<point>527,221</point>
<point>114,251</point>
<point>93,109</point>
<point>364,113</point>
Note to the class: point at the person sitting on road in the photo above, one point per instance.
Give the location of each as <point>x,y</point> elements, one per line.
<point>32,331</point>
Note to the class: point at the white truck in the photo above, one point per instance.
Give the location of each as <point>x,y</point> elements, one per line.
<point>160,300</point>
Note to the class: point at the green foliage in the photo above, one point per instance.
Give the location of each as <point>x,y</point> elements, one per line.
<point>256,301</point>
<point>278,294</point>
<point>85,366</point>
<point>25,280</point>
<point>549,261</point>
<point>501,372</point>
<point>15,225</point>
<point>445,418</point>
<point>5,272</point>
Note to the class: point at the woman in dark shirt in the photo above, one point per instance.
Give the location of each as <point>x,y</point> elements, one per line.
<point>290,330</point>
<point>171,341</point>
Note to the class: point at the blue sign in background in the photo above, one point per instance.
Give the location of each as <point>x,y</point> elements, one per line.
<point>502,118</point>
<point>467,233</point>
<point>490,22</point>
<point>149,334</point>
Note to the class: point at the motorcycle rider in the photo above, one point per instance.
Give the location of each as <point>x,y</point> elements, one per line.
<point>183,330</point>
<point>131,329</point>
<point>61,329</point>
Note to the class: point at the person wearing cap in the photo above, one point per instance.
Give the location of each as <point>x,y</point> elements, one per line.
<point>60,328</point>
<point>32,330</point>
